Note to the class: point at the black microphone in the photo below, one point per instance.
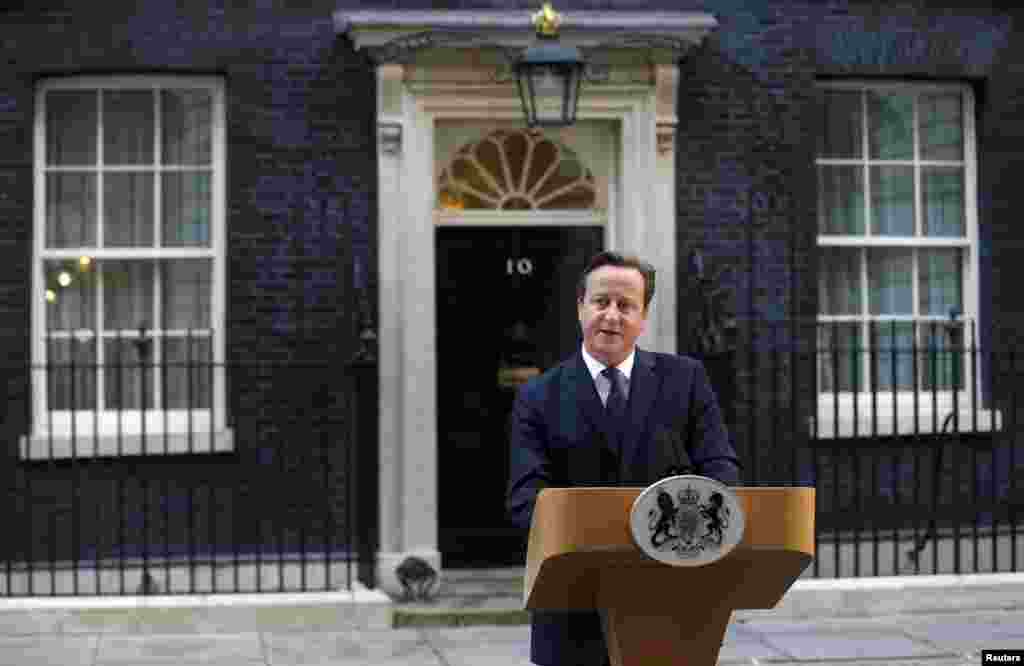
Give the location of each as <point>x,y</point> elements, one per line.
<point>618,458</point>
<point>609,461</point>
<point>668,437</point>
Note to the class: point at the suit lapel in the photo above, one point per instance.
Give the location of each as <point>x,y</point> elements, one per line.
<point>643,389</point>
<point>596,461</point>
<point>587,399</point>
<point>644,386</point>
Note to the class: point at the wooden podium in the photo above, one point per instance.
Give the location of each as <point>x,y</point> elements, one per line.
<point>581,556</point>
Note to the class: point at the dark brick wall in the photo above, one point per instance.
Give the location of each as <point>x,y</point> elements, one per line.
<point>301,252</point>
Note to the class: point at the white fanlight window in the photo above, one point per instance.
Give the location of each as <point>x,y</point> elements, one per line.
<point>501,173</point>
<point>128,267</point>
<point>897,237</point>
<point>516,170</point>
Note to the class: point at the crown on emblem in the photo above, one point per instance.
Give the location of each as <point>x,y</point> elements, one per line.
<point>689,496</point>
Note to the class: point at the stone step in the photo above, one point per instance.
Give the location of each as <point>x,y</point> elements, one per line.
<point>467,597</point>
<point>505,582</point>
<point>493,611</point>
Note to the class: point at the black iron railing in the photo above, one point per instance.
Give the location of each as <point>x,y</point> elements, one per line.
<point>908,430</point>
<point>186,476</point>
<point>179,474</point>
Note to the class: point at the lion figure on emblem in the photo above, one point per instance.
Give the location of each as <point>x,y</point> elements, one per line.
<point>663,521</point>
<point>717,516</point>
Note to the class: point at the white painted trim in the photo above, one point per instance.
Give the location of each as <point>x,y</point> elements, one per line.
<point>376,28</point>
<point>519,219</point>
<point>140,253</point>
<point>929,421</point>
<point>836,161</point>
<point>418,474</point>
<point>156,443</point>
<point>891,241</point>
<point>391,100</point>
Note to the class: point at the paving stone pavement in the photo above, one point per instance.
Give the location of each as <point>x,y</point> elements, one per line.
<point>945,639</point>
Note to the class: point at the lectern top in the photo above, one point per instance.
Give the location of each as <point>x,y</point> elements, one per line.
<point>581,553</point>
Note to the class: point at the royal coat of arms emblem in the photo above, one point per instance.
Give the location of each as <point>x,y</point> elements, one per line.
<point>687,520</point>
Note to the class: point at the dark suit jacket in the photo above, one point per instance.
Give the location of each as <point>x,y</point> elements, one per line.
<point>558,437</point>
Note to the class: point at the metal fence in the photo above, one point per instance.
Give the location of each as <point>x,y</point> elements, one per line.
<point>908,430</point>
<point>185,476</point>
<point>178,475</point>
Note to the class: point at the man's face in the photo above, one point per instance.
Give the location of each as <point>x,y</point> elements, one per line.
<point>612,313</point>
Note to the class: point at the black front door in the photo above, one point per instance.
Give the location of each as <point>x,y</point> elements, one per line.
<point>506,310</point>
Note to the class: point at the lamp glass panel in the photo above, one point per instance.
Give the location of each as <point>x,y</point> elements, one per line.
<point>548,83</point>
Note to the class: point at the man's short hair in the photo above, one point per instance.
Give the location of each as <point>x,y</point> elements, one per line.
<point>612,258</point>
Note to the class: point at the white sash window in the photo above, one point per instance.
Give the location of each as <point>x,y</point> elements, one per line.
<point>897,236</point>
<point>128,267</point>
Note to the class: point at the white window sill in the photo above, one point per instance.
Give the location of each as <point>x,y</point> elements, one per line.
<point>872,421</point>
<point>42,446</point>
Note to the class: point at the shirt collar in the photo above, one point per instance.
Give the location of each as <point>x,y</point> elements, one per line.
<point>595,367</point>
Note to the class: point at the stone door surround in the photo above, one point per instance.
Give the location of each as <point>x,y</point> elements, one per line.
<point>447,65</point>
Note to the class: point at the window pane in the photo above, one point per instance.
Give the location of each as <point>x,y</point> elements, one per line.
<point>128,127</point>
<point>941,281</point>
<point>890,125</point>
<point>842,135</point>
<point>473,183</point>
<point>890,275</point>
<point>840,200</point>
<point>128,210</point>
<point>841,357</point>
<point>943,193</point>
<point>70,295</point>
<point>186,209</point>
<point>571,174</point>
<point>187,129</point>
<point>186,294</point>
<point>892,201</point>
<point>841,291</point>
<point>70,209</point>
<point>894,342</point>
<point>941,127</point>
<point>942,365</point>
<point>129,372</point>
<point>189,372</point>
<point>71,373</point>
<point>71,127</point>
<point>127,295</point>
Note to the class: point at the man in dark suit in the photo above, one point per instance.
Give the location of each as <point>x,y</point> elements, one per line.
<point>561,433</point>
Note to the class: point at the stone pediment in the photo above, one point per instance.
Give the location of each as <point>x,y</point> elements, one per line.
<point>402,36</point>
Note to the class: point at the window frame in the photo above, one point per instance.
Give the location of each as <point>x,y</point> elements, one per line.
<point>925,411</point>
<point>123,431</point>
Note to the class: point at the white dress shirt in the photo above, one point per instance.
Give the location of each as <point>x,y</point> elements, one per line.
<point>603,384</point>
